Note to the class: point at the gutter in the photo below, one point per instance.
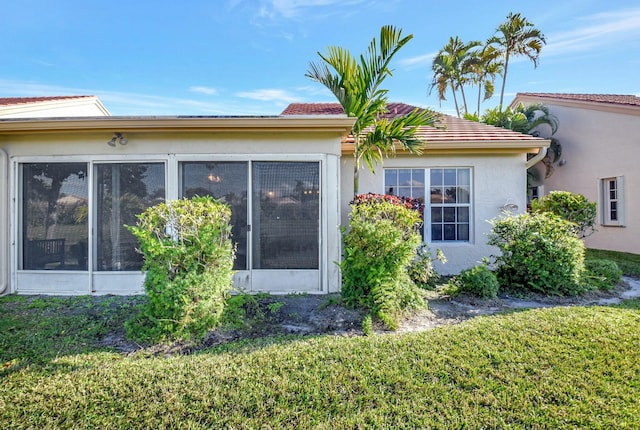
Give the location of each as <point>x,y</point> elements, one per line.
<point>4,222</point>
<point>538,157</point>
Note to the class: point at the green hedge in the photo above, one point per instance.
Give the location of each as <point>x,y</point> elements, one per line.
<point>189,259</point>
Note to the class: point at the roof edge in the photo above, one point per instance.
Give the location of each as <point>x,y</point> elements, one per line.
<point>580,104</point>
<point>341,124</point>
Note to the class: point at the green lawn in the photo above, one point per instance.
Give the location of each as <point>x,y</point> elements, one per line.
<point>572,367</point>
<point>628,263</point>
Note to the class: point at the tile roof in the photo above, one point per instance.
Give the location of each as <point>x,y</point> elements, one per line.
<point>448,128</point>
<point>11,101</point>
<point>609,99</point>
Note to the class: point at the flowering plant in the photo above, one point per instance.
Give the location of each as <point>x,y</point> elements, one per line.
<point>408,202</point>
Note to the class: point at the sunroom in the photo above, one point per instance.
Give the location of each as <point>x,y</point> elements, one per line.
<point>72,186</point>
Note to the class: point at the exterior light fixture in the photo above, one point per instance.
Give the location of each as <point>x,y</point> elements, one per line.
<point>117,138</point>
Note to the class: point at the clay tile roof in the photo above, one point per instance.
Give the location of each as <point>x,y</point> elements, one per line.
<point>10,101</point>
<point>448,129</point>
<point>313,109</point>
<point>610,99</point>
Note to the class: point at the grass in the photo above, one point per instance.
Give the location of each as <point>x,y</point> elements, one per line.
<point>628,263</point>
<point>573,367</point>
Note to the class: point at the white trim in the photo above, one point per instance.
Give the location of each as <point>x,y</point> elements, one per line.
<point>427,203</point>
<point>4,222</point>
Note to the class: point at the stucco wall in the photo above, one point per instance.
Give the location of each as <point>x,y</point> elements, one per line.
<point>599,145</point>
<point>496,181</point>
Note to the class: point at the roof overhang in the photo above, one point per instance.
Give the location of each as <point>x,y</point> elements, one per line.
<point>472,147</point>
<point>329,124</point>
<point>578,104</point>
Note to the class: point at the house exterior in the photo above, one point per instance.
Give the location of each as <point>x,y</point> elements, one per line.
<point>600,138</point>
<point>48,107</point>
<point>468,174</point>
<point>71,185</point>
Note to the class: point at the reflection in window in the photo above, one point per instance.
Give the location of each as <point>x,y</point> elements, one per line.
<point>124,190</point>
<point>449,200</point>
<point>226,181</point>
<point>54,216</point>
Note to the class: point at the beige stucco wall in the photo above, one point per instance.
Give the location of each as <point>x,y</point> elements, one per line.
<point>497,180</point>
<point>597,145</point>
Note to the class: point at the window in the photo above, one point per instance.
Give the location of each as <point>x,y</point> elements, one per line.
<point>448,209</point>
<point>222,180</point>
<point>54,216</point>
<point>123,190</point>
<point>611,200</point>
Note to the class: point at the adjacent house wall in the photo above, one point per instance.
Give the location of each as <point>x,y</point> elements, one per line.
<point>60,108</point>
<point>497,180</point>
<point>596,145</point>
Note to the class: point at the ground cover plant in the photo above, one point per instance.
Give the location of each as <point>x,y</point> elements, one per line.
<point>566,367</point>
<point>628,263</point>
<point>478,281</point>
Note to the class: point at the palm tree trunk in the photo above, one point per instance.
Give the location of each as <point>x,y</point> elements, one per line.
<point>504,79</point>
<point>479,94</point>
<point>464,99</point>
<point>356,165</point>
<point>455,100</point>
<point>356,179</point>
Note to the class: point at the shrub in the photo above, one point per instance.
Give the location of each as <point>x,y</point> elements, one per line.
<point>478,281</point>
<point>188,258</point>
<point>378,247</point>
<point>571,207</point>
<point>421,270</point>
<point>603,274</point>
<point>540,253</point>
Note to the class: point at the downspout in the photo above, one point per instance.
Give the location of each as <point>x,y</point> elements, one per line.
<point>4,221</point>
<point>538,157</point>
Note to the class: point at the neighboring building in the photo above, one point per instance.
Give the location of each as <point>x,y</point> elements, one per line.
<point>74,183</point>
<point>48,107</point>
<point>600,138</point>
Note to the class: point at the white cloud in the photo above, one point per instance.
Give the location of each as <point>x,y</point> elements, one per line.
<point>417,61</point>
<point>268,95</point>
<point>204,90</point>
<point>597,32</point>
<point>131,103</point>
<point>295,8</point>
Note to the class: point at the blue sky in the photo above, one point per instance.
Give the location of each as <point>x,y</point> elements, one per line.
<point>237,57</point>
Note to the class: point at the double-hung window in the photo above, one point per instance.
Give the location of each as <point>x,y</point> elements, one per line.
<point>447,214</point>
<point>611,201</point>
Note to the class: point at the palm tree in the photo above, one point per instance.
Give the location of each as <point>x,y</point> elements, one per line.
<point>517,36</point>
<point>453,66</point>
<point>356,85</point>
<point>485,65</point>
<point>443,77</point>
<point>531,119</point>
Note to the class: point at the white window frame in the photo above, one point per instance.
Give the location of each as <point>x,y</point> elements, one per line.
<point>427,201</point>
<point>610,196</point>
